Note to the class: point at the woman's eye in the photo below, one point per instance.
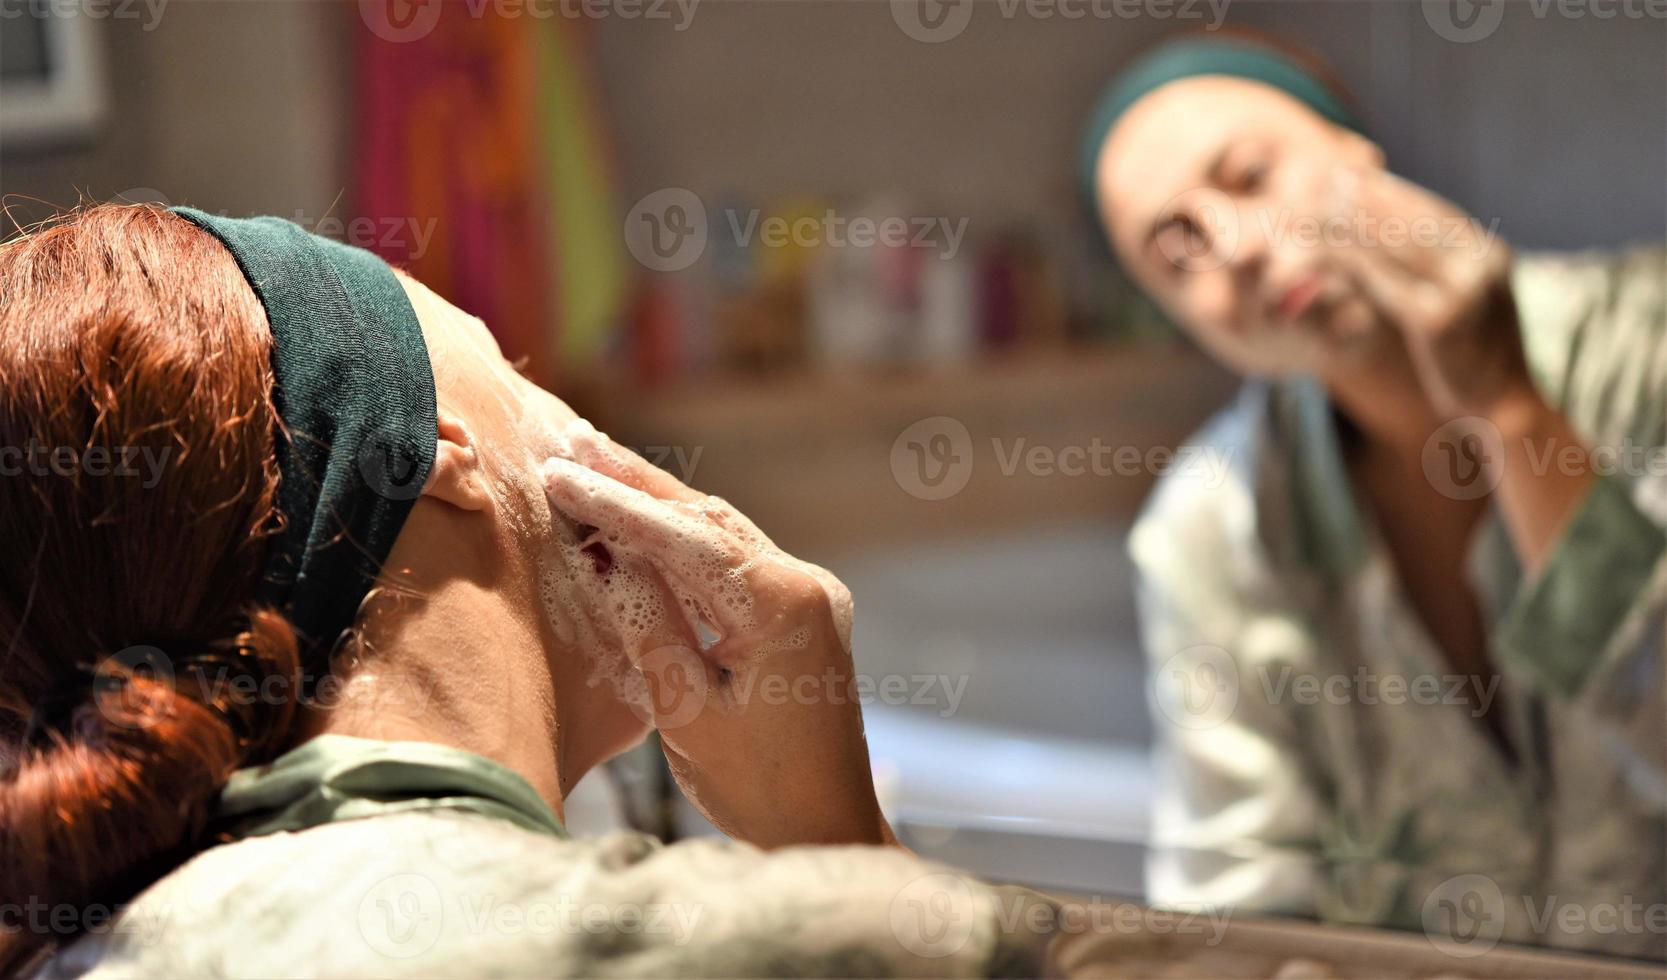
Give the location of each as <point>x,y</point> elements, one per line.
<point>1182,242</point>
<point>1245,176</point>
<point>1244,169</point>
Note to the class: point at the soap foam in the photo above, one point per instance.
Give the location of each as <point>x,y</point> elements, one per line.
<point>591,446</point>
<point>704,571</point>
<point>674,578</point>
<point>599,617</point>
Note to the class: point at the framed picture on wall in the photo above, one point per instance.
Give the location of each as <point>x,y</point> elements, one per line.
<point>51,75</point>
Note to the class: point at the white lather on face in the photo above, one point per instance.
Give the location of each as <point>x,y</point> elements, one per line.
<point>702,549</point>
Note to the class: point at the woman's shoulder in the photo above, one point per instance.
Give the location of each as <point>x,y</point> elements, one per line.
<point>1588,316</point>
<point>438,893</point>
<point>357,894</point>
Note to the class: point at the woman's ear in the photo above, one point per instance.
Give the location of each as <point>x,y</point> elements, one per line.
<point>457,478</point>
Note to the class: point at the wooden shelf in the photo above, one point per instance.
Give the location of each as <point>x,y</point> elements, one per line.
<point>810,458</point>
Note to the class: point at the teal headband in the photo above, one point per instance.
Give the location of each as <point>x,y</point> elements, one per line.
<point>1189,58</point>
<point>355,390</point>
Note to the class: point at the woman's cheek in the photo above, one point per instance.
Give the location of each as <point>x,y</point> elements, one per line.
<point>1209,303</point>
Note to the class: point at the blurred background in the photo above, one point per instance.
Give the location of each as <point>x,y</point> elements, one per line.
<point>827,259</point>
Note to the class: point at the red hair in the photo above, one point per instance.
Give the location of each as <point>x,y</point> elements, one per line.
<point>127,333</point>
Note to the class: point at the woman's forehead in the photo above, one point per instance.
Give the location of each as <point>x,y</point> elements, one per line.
<point>1166,143</point>
<point>1219,99</point>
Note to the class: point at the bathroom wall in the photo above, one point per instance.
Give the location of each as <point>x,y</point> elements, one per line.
<point>1554,125</point>
<point>231,105</point>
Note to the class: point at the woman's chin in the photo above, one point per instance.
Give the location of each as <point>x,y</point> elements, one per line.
<point>1311,346</point>
<point>1273,352</point>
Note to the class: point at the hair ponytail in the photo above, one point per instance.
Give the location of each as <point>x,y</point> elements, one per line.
<point>137,489</point>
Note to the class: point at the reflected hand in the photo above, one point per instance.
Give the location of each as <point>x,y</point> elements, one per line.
<point>1444,284</point>
<point>1450,297</point>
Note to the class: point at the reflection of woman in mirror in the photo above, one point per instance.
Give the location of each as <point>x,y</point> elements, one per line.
<point>1428,615</point>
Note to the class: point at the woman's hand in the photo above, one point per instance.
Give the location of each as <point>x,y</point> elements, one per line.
<point>747,662</point>
<point>1447,289</point>
<point>1435,275</point>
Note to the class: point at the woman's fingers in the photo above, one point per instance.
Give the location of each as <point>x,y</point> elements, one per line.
<point>1400,298</point>
<point>1421,305</point>
<point>708,571</point>
<point>837,597</point>
<point>1403,222</point>
<point>716,565</point>
<point>673,682</point>
<point>597,451</point>
<point>723,513</point>
<point>1427,237</point>
<point>636,521</point>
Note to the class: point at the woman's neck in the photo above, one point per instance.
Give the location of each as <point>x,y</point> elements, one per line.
<point>1384,401</point>
<point>1427,532</point>
<point>455,667</point>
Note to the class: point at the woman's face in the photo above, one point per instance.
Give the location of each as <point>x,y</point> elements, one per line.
<point>1219,195</point>
<point>539,573</point>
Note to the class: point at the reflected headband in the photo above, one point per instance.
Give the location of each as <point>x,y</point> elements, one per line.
<point>1188,58</point>
<point>354,389</point>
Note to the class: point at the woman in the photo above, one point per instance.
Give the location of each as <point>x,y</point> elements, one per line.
<point>1409,653</point>
<point>308,698</point>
